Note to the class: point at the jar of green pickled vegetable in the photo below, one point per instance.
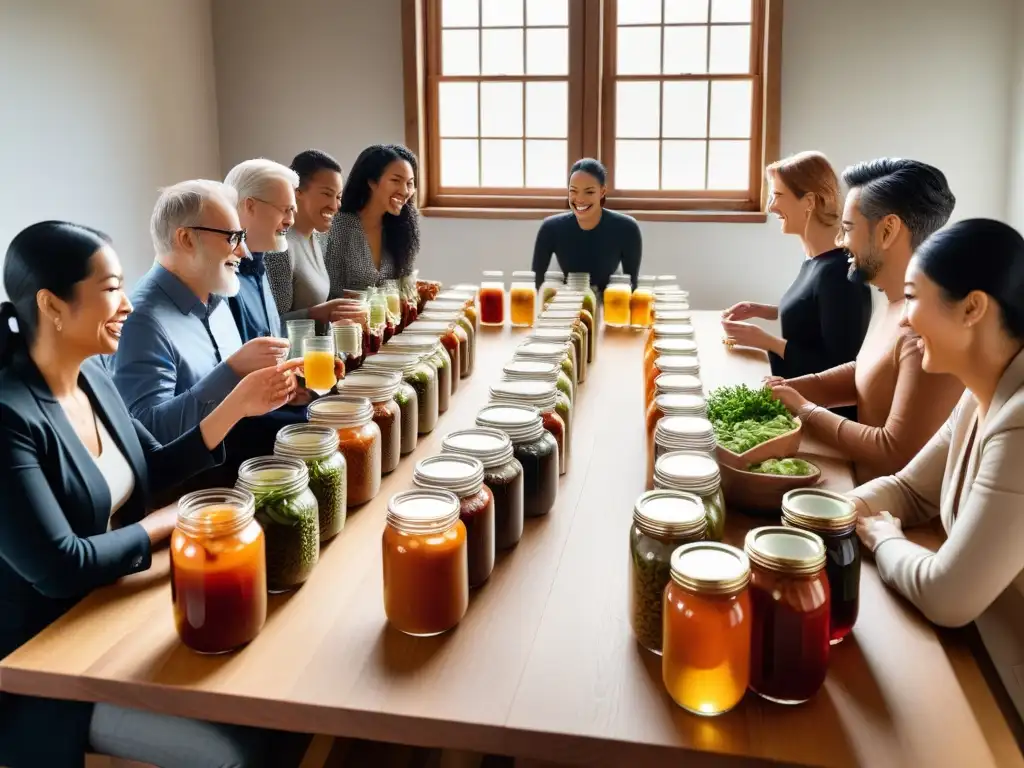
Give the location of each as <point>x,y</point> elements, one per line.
<point>662,522</point>
<point>318,447</point>
<point>698,473</point>
<point>420,409</point>
<point>287,511</point>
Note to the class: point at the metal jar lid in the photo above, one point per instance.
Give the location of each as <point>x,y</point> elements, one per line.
<point>340,411</point>
<point>681,405</point>
<point>678,364</point>
<point>377,387</point>
<point>687,471</point>
<point>672,331</point>
<point>676,383</point>
<point>543,350</point>
<point>492,447</point>
<point>818,511</point>
<point>462,475</point>
<point>433,328</point>
<point>685,433</point>
<point>672,514</point>
<point>556,335</point>
<point>406,363</point>
<point>423,511</point>
<point>410,342</point>
<point>785,550</point>
<point>710,568</point>
<point>516,370</point>
<point>542,395</point>
<point>674,315</point>
<point>273,473</point>
<point>520,422</point>
<point>305,441</point>
<point>674,346</point>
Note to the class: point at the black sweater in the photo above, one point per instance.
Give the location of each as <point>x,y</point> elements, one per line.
<point>824,317</point>
<point>599,251</point>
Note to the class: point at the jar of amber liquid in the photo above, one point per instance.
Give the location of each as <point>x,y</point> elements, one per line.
<point>673,364</point>
<point>705,661</point>
<point>695,472</point>
<point>522,300</point>
<point>426,581</point>
<point>554,407</point>
<point>790,605</point>
<point>218,570</point>
<point>662,522</point>
<point>503,476</point>
<point>318,447</point>
<point>492,299</point>
<point>464,476</point>
<point>665,348</point>
<point>834,519</point>
<point>641,303</point>
<point>358,440</point>
<point>535,450</point>
<point>680,433</point>
<point>380,389</point>
<point>616,301</point>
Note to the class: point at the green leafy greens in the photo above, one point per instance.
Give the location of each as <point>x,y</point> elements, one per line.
<point>745,417</point>
<point>789,467</point>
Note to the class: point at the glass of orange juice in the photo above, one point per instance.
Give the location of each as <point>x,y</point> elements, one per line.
<point>318,363</point>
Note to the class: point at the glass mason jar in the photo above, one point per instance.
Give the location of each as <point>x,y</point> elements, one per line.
<point>680,433</point>
<point>534,448</point>
<point>617,301</point>
<point>695,473</point>
<point>641,303</point>
<point>393,299</point>
<point>673,405</point>
<point>570,320</point>
<point>834,519</point>
<point>380,388</point>
<point>536,370</point>
<point>492,299</point>
<point>672,314</point>
<point>463,329</point>
<point>790,604</point>
<point>662,330</point>
<point>464,476</point>
<point>472,311</point>
<point>348,343</point>
<point>426,290</point>
<point>410,298</point>
<point>554,407</point>
<point>705,661</point>
<point>445,335</point>
<point>523,299</point>
<point>555,335</point>
<point>503,475</point>
<point>296,331</point>
<point>287,511</point>
<point>358,440</point>
<point>580,283</point>
<point>662,522</point>
<point>218,570</point>
<point>549,352</point>
<point>665,348</point>
<point>553,280</point>
<point>318,447</point>
<point>418,403</point>
<point>426,574</point>
<point>433,352</point>
<point>673,364</point>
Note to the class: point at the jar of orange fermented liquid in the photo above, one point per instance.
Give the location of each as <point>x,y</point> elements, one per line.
<point>616,301</point>
<point>218,570</point>
<point>522,300</point>
<point>641,303</point>
<point>705,661</point>
<point>665,348</point>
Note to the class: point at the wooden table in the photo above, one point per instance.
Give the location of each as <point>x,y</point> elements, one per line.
<point>544,665</point>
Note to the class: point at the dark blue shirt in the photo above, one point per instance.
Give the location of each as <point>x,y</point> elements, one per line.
<point>254,308</point>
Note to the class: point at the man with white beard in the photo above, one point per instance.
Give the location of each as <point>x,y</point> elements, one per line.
<point>180,352</point>
<point>266,211</point>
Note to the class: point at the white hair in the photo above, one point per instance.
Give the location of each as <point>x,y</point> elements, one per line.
<point>181,205</point>
<point>252,178</point>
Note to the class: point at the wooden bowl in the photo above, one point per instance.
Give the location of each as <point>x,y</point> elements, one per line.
<point>780,447</point>
<point>755,491</point>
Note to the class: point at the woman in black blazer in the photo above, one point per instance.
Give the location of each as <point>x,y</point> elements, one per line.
<point>78,474</point>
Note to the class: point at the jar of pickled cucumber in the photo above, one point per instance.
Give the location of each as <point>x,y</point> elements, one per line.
<point>318,447</point>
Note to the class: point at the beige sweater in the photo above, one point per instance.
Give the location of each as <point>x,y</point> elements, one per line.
<point>978,572</point>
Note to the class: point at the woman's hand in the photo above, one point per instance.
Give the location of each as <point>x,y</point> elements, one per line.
<point>327,312</point>
<point>748,310</point>
<point>748,335</point>
<point>160,523</point>
<point>878,528</point>
<point>773,381</point>
<point>795,402</point>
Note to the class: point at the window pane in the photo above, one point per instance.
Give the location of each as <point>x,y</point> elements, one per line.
<point>639,12</point>
<point>547,52</point>
<point>639,51</point>
<point>457,109</point>
<point>686,11</point>
<point>729,165</point>
<point>546,163</point>
<point>460,52</point>
<point>682,164</point>
<point>501,109</point>
<point>503,52</point>
<point>460,163</point>
<point>730,109</point>
<point>459,13</point>
<point>501,162</point>
<point>637,110</point>
<point>547,12</point>
<point>686,50</point>
<point>502,13</point>
<point>686,109</point>
<point>730,10</point>
<point>636,164</point>
<point>547,110</point>
<point>730,49</point>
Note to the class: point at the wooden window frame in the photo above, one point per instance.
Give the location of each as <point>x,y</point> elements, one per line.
<point>591,128</point>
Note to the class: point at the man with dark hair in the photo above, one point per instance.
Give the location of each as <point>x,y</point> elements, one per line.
<point>893,206</point>
<point>298,276</point>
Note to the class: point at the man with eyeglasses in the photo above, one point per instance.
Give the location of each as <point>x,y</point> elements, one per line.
<point>266,211</point>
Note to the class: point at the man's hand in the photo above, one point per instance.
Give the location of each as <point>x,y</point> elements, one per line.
<point>264,390</point>
<point>327,312</point>
<point>254,355</point>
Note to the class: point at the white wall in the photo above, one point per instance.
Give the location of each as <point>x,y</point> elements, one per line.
<point>101,103</point>
<point>1015,202</point>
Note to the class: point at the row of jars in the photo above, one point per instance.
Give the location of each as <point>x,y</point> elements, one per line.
<point>626,307</point>
<point>725,620</point>
<point>523,304</point>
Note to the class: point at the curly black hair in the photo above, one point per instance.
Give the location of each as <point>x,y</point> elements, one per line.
<point>401,232</point>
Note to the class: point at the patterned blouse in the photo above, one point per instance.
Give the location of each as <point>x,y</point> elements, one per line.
<point>349,259</point>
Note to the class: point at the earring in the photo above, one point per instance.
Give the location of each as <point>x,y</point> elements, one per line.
<point>58,325</point>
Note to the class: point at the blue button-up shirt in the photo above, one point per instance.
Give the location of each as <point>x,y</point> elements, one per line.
<point>254,308</point>
<point>170,366</point>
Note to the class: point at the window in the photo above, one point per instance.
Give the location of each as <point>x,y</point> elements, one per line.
<point>677,97</point>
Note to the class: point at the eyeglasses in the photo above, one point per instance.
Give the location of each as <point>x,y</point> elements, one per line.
<point>290,210</point>
<point>235,237</point>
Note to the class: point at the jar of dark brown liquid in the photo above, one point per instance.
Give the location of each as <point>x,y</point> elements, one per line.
<point>535,449</point>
